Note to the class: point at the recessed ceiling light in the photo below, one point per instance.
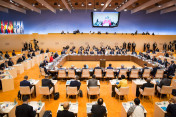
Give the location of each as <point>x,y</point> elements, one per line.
<point>95,9</point>
<point>61,9</point>
<point>89,3</point>
<point>109,4</point>
<point>102,4</point>
<point>33,4</point>
<point>159,5</point>
<point>59,5</point>
<point>125,9</point>
<point>115,9</point>
<point>42,4</point>
<point>123,3</point>
<point>82,4</point>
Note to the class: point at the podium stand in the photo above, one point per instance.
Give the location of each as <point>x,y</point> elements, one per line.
<point>103,63</point>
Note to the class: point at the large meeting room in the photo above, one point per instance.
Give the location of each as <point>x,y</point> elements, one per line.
<point>87,58</point>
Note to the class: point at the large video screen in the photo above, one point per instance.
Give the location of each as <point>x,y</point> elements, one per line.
<point>105,19</point>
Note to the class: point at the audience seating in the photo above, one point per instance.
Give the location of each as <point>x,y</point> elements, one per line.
<point>147,92</point>
<point>26,91</point>
<point>93,91</point>
<point>71,73</point>
<point>72,91</point>
<point>134,73</point>
<point>146,73</point>
<point>164,90</point>
<point>159,73</point>
<point>85,73</point>
<point>122,91</point>
<point>62,74</point>
<point>45,91</point>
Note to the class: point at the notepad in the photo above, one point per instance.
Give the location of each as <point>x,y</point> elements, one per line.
<point>164,108</point>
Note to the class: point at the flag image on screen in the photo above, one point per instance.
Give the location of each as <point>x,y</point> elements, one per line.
<point>5,26</point>
<point>10,27</point>
<point>105,19</point>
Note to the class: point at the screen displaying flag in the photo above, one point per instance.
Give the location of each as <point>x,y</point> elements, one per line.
<point>9,27</point>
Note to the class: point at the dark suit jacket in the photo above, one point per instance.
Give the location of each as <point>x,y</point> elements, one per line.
<point>47,82</point>
<point>7,56</point>
<point>13,54</point>
<point>25,110</point>
<point>92,82</point>
<point>165,82</point>
<point>109,67</point>
<point>147,85</point>
<point>10,63</point>
<point>98,111</point>
<point>153,72</point>
<point>19,61</point>
<point>55,55</point>
<point>65,113</point>
<point>25,83</point>
<point>166,55</point>
<point>24,58</point>
<point>171,108</point>
<point>33,54</point>
<point>75,83</point>
<point>144,69</point>
<point>160,61</point>
<point>171,70</point>
<point>3,66</point>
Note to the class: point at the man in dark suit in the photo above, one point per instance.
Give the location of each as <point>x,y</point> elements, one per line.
<point>170,70</point>
<point>154,59</point>
<point>25,110</point>
<point>10,62</point>
<point>148,85</point>
<point>33,53</point>
<point>165,46</point>
<point>110,66</point>
<point>20,60</point>
<point>47,82</point>
<point>25,46</point>
<point>133,46</point>
<point>166,54</point>
<point>13,53</point>
<point>29,55</point>
<point>75,83</point>
<point>159,60</point>
<point>165,63</point>
<point>4,65</point>
<point>92,82</point>
<point>129,46</point>
<point>25,82</point>
<point>112,52</point>
<point>98,110</point>
<point>41,51</point>
<point>7,56</point>
<point>171,108</point>
<point>23,57</point>
<point>169,46</point>
<point>55,55</point>
<point>124,45</point>
<point>154,46</point>
<point>148,46</point>
<point>153,72</point>
<point>145,46</point>
<point>65,112</point>
<point>145,67</point>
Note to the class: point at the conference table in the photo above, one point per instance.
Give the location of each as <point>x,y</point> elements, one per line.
<point>160,109</point>
<point>89,107</point>
<point>8,108</point>
<point>40,106</point>
<point>72,108</point>
<point>113,84</point>
<point>126,106</point>
<point>19,67</point>
<point>12,71</point>
<point>36,85</point>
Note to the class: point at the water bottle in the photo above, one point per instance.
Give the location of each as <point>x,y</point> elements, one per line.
<point>40,103</point>
<point>15,102</point>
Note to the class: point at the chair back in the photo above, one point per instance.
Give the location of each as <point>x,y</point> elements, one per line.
<point>62,74</point>
<point>159,73</point>
<point>146,73</point>
<point>123,90</point>
<point>149,91</point>
<point>166,90</point>
<point>42,71</point>
<point>134,73</point>
<point>85,73</point>
<point>44,90</point>
<point>25,90</point>
<point>94,90</point>
<point>174,84</point>
<point>109,73</point>
<point>123,72</point>
<point>98,73</point>
<point>72,90</point>
<point>71,73</point>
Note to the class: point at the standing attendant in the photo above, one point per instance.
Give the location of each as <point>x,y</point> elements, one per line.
<point>145,46</point>
<point>133,46</point>
<point>169,46</point>
<point>154,46</point>
<point>129,46</point>
<point>164,46</point>
<point>124,45</point>
<point>148,46</point>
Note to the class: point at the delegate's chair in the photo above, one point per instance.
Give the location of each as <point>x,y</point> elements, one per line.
<point>93,91</point>
<point>123,72</point>
<point>173,83</point>
<point>25,90</point>
<point>71,73</point>
<point>85,73</point>
<point>62,74</point>
<point>146,73</point>
<point>164,90</point>
<point>42,72</point>
<point>109,74</point>
<point>45,91</point>
<point>122,91</point>
<point>98,73</point>
<point>159,73</point>
<point>72,91</point>
<point>134,73</point>
<point>147,92</point>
